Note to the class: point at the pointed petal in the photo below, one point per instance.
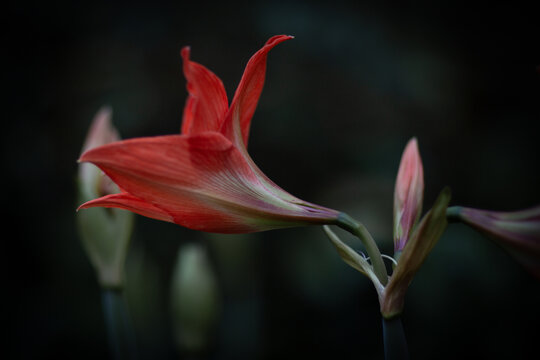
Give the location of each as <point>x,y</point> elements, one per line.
<point>128,202</point>
<point>207,102</point>
<point>521,229</point>
<point>202,181</point>
<point>422,241</point>
<point>237,122</point>
<point>408,194</point>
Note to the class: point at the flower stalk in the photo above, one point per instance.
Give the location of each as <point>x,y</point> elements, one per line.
<point>395,343</point>
<point>358,229</point>
<point>119,326</point>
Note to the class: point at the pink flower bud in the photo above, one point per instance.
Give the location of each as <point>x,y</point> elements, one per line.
<point>92,180</point>
<point>408,194</point>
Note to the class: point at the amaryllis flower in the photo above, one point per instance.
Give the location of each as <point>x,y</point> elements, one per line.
<point>204,178</point>
<point>518,232</point>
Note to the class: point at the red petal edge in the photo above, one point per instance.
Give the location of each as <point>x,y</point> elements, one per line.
<point>128,202</point>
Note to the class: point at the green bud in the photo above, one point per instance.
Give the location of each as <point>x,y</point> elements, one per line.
<point>195,299</point>
<point>105,233</point>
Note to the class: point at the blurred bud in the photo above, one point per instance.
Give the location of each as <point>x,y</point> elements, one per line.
<point>517,232</point>
<point>105,233</point>
<point>92,181</point>
<point>195,300</point>
<point>422,241</point>
<point>408,195</point>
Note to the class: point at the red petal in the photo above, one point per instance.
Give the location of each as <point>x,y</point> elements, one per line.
<point>238,119</point>
<point>129,202</point>
<point>202,181</point>
<point>207,102</point>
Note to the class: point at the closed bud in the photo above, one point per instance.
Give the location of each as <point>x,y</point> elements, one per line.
<point>422,241</point>
<point>194,300</point>
<point>408,195</point>
<point>105,233</point>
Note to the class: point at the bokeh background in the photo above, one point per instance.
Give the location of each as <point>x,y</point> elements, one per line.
<point>340,102</point>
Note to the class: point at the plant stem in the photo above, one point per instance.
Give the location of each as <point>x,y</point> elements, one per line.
<point>452,213</point>
<point>359,230</point>
<point>119,328</point>
<point>395,344</point>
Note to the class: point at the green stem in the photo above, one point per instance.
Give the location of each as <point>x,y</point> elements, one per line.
<point>452,213</point>
<point>395,344</point>
<point>119,328</point>
<point>359,230</point>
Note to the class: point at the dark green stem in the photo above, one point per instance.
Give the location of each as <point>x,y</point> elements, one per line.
<point>359,230</point>
<point>395,344</point>
<point>119,327</point>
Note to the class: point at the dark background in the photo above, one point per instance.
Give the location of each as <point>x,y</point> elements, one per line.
<point>340,102</point>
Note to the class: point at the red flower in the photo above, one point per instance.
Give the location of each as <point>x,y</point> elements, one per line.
<point>204,178</point>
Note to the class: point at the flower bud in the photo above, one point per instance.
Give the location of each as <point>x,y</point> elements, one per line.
<point>422,241</point>
<point>105,233</point>
<point>92,181</point>
<point>408,194</point>
<point>194,299</point>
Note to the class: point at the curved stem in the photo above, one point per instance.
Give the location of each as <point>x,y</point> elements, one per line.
<point>395,344</point>
<point>359,230</point>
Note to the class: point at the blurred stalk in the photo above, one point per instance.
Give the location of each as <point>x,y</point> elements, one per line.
<point>119,326</point>
<point>395,344</point>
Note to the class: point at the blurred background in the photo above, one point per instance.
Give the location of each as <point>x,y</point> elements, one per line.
<point>340,102</point>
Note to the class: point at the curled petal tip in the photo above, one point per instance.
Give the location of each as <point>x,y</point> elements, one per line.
<point>274,40</point>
